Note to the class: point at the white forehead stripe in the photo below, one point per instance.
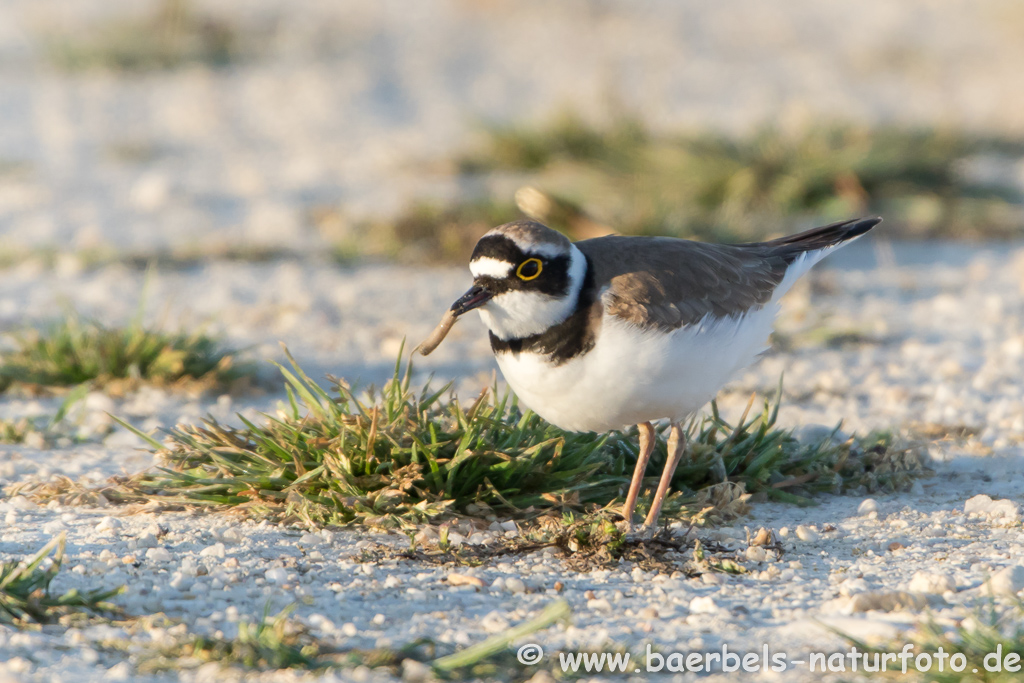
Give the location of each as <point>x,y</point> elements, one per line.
<point>490,267</point>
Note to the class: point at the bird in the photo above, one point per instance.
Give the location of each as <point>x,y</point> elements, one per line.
<point>614,331</point>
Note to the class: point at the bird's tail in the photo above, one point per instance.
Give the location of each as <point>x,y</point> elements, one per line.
<point>824,237</point>
<point>803,250</point>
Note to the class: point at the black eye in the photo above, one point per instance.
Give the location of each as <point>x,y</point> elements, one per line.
<point>529,269</point>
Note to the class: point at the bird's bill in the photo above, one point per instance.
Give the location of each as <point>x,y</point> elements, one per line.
<point>476,297</point>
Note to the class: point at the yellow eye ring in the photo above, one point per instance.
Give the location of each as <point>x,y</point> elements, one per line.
<point>524,264</point>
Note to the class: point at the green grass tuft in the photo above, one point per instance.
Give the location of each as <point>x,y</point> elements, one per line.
<point>401,456</point>
<point>25,596</point>
<point>74,351</point>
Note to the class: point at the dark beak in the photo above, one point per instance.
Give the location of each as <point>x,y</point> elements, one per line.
<point>476,297</point>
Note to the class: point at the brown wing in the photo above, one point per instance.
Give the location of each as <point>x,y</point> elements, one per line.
<point>666,283</point>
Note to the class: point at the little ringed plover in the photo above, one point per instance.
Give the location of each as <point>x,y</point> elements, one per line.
<point>615,331</point>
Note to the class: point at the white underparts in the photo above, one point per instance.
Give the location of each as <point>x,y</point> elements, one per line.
<point>634,375</point>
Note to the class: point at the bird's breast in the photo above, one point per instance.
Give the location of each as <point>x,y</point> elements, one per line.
<point>631,375</point>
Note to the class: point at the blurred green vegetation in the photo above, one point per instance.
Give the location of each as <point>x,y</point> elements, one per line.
<point>72,351</point>
<point>587,180</point>
<point>427,231</point>
<point>174,34</point>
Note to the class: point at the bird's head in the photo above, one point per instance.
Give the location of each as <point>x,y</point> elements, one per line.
<point>526,278</point>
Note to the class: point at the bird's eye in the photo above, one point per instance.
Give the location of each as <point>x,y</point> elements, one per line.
<point>529,269</point>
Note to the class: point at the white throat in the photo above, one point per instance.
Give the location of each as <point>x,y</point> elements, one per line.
<point>518,314</point>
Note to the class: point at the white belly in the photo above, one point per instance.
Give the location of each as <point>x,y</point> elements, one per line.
<point>632,376</point>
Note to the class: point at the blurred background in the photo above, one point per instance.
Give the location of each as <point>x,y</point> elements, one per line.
<point>196,129</point>
<point>185,184</point>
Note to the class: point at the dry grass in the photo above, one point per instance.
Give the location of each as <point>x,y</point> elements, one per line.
<point>584,543</point>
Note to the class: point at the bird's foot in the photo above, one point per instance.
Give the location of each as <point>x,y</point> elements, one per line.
<point>641,532</point>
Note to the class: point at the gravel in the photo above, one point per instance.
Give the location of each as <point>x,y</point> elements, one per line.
<point>857,563</point>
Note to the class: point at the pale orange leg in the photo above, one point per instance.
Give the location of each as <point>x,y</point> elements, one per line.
<point>647,442</point>
<point>676,446</point>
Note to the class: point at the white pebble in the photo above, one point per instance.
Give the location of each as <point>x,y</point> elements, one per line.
<point>494,622</point>
<point>119,672</point>
<point>158,555</point>
<point>180,581</point>
<point>756,553</point>
<point>231,536</point>
<point>215,550</point>
<point>703,605</point>
<point>108,524</point>
<point>514,585</point>
<point>867,506</point>
<point>414,671</point>
<point>276,575</point>
<point>806,533</point>
<point>931,584</point>
<point>1006,582</point>
<point>884,601</point>
<point>53,527</point>
<point>984,505</point>
<point>853,586</point>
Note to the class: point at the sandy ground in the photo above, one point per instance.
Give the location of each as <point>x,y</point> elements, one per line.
<point>916,362</point>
